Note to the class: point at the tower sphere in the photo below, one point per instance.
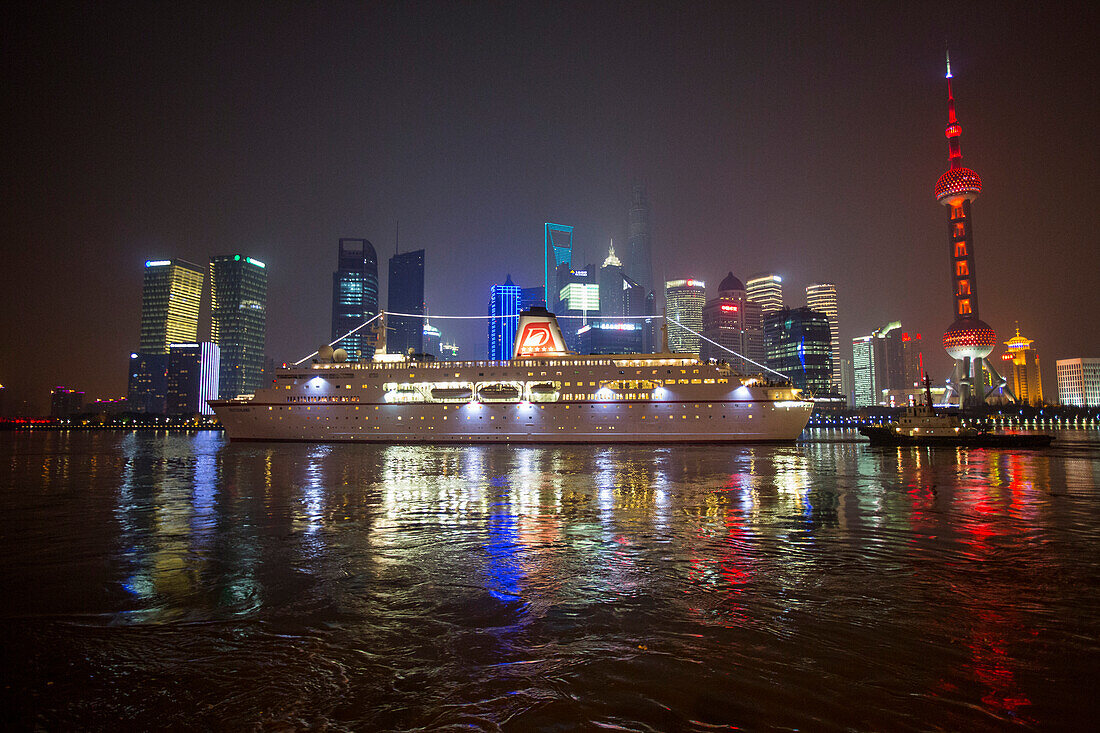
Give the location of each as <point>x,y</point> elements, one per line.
<point>957,185</point>
<point>969,337</point>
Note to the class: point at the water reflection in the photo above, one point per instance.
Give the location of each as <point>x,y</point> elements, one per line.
<point>934,572</point>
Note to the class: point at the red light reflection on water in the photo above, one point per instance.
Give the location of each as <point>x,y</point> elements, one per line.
<point>730,564</point>
<point>988,499</point>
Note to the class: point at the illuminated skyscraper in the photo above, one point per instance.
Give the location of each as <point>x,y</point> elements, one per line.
<point>504,308</point>
<point>557,260</point>
<point>1027,383</point>
<point>767,290</point>
<point>797,343</point>
<point>406,295</point>
<point>147,383</point>
<point>684,300</point>
<point>610,337</point>
<point>968,340</point>
<point>878,363</point>
<point>170,297</point>
<point>238,321</point>
<point>912,354</point>
<point>735,322</point>
<point>193,373</point>
<point>578,301</point>
<point>639,261</point>
<point>355,296</point>
<point>865,390</point>
<point>821,297</point>
<point>433,340</point>
<point>612,286</point>
<point>1078,382</point>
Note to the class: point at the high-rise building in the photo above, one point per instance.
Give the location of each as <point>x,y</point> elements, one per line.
<point>767,290</point>
<point>639,261</point>
<point>147,385</point>
<point>531,297</point>
<point>1027,382</point>
<point>354,296</point>
<point>968,340</point>
<point>433,340</point>
<point>798,343</point>
<point>612,286</point>
<point>864,389</point>
<point>65,402</point>
<point>821,297</point>
<point>610,337</point>
<point>879,364</point>
<point>913,357</point>
<point>238,321</point>
<point>193,374</point>
<point>684,300</point>
<point>448,351</point>
<point>557,259</point>
<point>637,304</point>
<point>170,295</point>
<point>505,303</point>
<point>734,322</point>
<point>848,380</point>
<point>406,295</point>
<point>889,348</point>
<point>1078,382</point>
<point>578,301</point>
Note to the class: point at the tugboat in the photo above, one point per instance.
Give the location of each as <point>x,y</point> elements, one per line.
<point>922,425</point>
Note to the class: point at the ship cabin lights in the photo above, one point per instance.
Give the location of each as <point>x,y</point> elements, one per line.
<point>604,393</point>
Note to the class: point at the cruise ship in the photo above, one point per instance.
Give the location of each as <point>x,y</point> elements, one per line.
<point>544,394</point>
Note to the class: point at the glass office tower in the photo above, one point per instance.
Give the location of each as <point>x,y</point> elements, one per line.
<point>355,297</point>
<point>238,321</point>
<point>406,295</point>
<point>170,295</point>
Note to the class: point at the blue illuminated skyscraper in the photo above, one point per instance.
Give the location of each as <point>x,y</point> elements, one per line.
<point>504,307</point>
<point>406,295</point>
<point>355,296</point>
<point>193,373</point>
<point>798,343</point>
<point>558,254</point>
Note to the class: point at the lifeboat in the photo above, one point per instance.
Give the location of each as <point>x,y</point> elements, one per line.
<point>498,393</point>
<point>448,394</point>
<point>542,389</point>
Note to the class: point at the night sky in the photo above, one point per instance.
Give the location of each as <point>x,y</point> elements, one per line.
<point>800,138</point>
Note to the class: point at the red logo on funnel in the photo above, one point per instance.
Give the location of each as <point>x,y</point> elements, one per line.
<point>536,338</point>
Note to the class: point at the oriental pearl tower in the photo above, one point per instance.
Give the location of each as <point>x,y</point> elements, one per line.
<point>969,339</point>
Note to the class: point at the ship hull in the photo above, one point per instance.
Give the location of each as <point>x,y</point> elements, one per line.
<point>885,436</point>
<point>603,423</point>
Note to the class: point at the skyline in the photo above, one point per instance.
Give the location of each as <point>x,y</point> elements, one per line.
<point>263,130</point>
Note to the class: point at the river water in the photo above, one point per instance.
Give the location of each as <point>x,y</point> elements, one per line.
<point>159,580</point>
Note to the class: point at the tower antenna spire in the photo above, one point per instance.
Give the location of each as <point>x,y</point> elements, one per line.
<point>947,51</point>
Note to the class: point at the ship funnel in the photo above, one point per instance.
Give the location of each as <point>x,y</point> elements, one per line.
<point>538,335</point>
